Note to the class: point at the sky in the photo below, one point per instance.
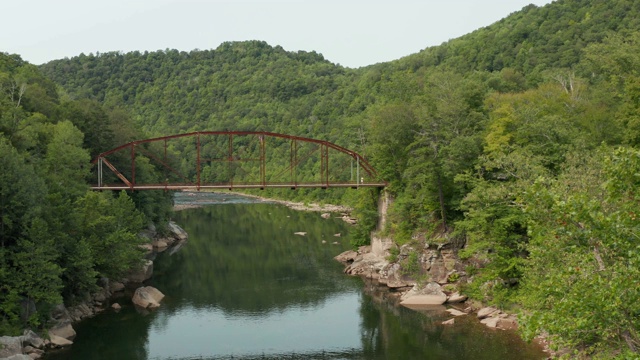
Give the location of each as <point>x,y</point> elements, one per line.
<point>352,33</point>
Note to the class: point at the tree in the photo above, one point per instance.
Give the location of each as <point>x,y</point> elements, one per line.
<point>580,275</point>
<point>66,162</point>
<point>447,142</point>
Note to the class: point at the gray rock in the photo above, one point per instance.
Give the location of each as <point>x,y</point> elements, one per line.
<point>347,257</point>
<point>508,323</point>
<point>32,339</point>
<point>486,312</point>
<point>177,231</point>
<point>431,294</point>
<point>10,345</point>
<point>456,298</point>
<point>147,297</point>
<point>63,330</point>
<point>449,322</point>
<point>18,357</point>
<point>142,274</point>
<point>58,341</point>
<point>491,322</point>
<point>456,312</point>
<point>116,286</point>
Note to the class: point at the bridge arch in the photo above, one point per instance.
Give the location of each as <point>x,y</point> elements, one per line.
<point>233,159</point>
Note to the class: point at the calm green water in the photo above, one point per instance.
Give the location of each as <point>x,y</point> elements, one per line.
<point>245,287</point>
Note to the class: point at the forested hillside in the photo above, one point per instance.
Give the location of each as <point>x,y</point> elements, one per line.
<point>55,232</point>
<point>519,139</point>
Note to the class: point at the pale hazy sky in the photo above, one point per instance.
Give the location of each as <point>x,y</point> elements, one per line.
<point>352,33</point>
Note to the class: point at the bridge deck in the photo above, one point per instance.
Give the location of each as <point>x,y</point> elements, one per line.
<point>193,187</point>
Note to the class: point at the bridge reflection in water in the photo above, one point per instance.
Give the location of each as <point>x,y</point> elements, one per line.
<point>232,160</point>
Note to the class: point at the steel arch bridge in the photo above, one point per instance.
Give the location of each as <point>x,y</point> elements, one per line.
<point>232,160</point>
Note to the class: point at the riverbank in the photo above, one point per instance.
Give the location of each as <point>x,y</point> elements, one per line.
<point>440,271</point>
<point>62,333</point>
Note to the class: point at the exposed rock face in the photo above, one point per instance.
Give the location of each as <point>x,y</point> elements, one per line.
<point>143,273</point>
<point>58,341</point>
<point>147,297</point>
<point>347,257</point>
<point>431,294</point>
<point>116,286</point>
<point>364,262</point>
<point>18,357</point>
<point>456,298</point>
<point>486,312</point>
<point>32,339</point>
<point>456,312</point>
<point>449,322</point>
<point>64,330</point>
<point>177,231</point>
<point>9,346</point>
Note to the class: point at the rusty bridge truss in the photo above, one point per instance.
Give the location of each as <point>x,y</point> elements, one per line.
<point>232,160</point>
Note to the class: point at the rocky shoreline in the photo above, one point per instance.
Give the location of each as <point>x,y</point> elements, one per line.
<point>61,334</point>
<point>441,273</point>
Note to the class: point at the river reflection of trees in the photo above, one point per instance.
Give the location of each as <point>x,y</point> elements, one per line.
<point>247,261</point>
<point>389,332</point>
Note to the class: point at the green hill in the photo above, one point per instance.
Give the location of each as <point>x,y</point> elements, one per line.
<point>519,140</point>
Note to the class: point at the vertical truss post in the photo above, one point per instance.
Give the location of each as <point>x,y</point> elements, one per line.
<point>100,172</point>
<point>293,163</point>
<point>357,171</point>
<point>324,165</point>
<point>166,177</point>
<point>133,166</point>
<point>198,160</point>
<point>263,168</point>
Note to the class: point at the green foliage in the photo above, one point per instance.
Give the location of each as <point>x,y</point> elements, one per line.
<point>109,226</point>
<point>411,265</point>
<point>583,253</point>
<point>56,238</point>
<point>489,137</point>
<point>365,210</point>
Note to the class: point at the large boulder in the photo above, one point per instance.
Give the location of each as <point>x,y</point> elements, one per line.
<point>10,345</point>
<point>431,294</point>
<point>32,339</point>
<point>147,297</point>
<point>58,341</point>
<point>116,286</point>
<point>177,231</point>
<point>63,330</point>
<point>18,357</point>
<point>347,257</point>
<point>456,298</point>
<point>487,312</point>
<point>142,274</point>
<point>508,323</point>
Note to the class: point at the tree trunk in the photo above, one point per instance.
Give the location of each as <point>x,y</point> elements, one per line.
<point>443,214</point>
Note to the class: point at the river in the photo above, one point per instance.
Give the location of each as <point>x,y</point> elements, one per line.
<point>245,286</point>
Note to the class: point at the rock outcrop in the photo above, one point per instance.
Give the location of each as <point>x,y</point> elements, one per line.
<point>28,346</point>
<point>142,274</point>
<point>147,297</point>
<point>430,294</point>
<point>177,231</point>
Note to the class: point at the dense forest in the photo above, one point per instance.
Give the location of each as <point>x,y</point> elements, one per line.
<point>519,139</point>
<point>58,238</point>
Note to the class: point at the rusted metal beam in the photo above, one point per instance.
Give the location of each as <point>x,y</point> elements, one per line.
<point>295,160</point>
